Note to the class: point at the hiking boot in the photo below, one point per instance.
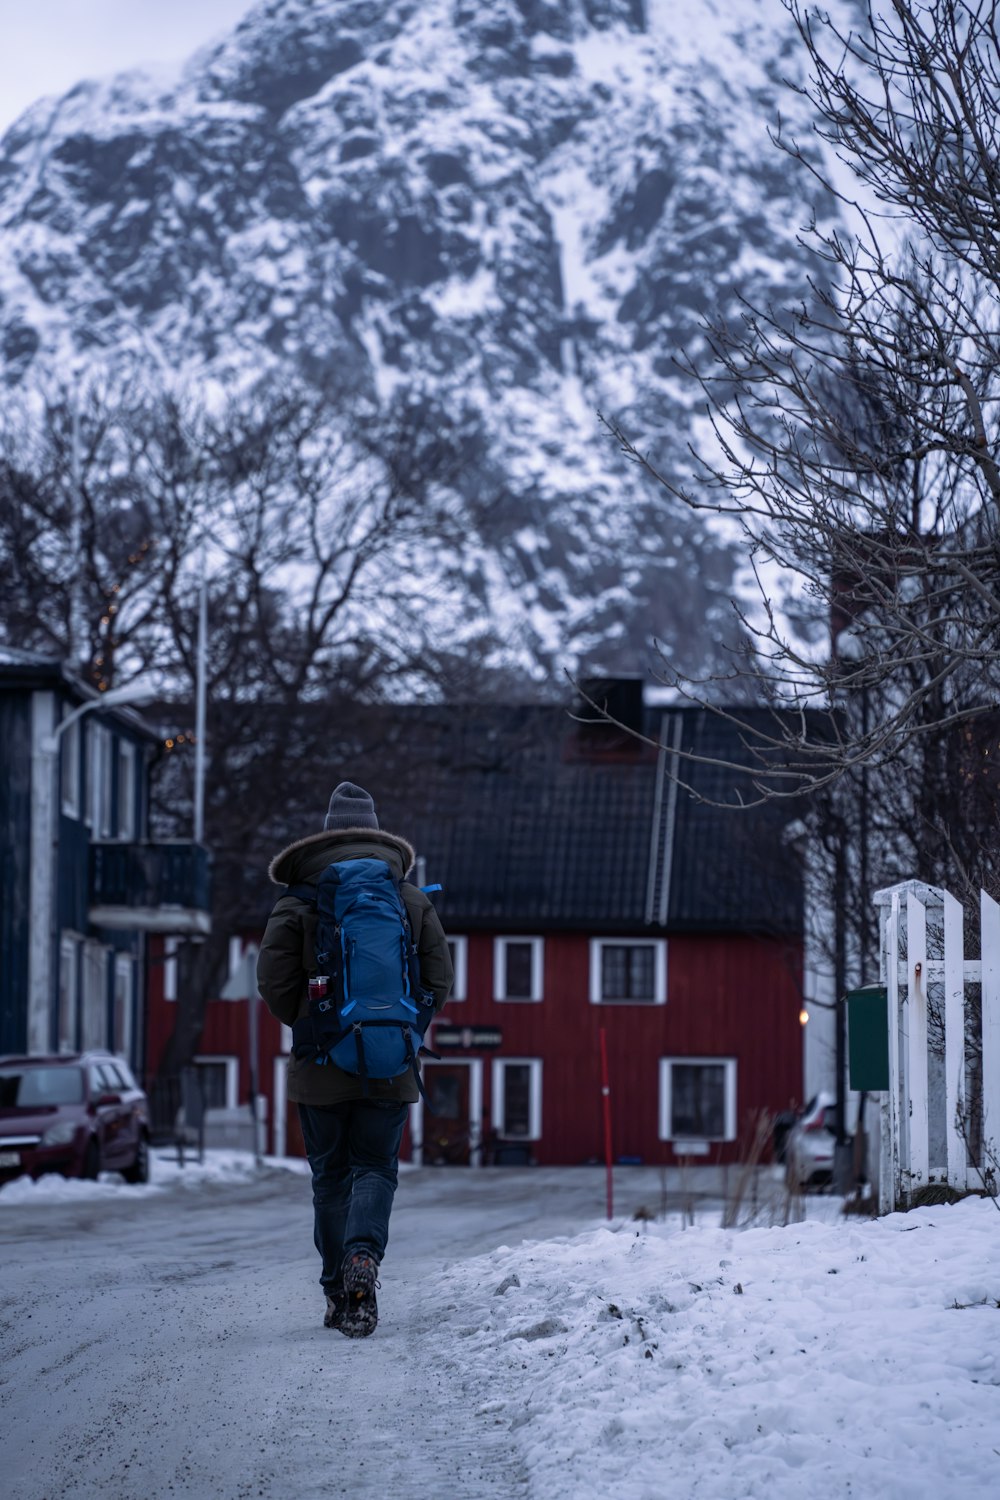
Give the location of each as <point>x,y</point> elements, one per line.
<point>336,1304</point>
<point>361,1309</point>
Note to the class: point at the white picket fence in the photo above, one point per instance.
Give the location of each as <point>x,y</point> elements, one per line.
<point>931,1112</point>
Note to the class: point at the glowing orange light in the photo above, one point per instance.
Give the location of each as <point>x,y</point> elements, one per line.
<point>803,1016</point>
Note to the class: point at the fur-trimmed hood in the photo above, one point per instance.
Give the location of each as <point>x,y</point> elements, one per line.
<point>307,857</point>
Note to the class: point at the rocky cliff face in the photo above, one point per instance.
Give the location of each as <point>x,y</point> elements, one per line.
<point>513,213</point>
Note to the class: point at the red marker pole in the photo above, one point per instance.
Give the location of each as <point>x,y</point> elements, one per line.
<point>606,1093</point>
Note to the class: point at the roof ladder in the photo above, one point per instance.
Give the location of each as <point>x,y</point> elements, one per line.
<point>661,833</point>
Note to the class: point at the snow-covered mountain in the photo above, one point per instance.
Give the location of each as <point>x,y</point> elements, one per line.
<point>516,212</point>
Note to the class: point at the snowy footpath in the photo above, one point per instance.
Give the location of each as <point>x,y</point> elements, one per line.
<point>167,1341</point>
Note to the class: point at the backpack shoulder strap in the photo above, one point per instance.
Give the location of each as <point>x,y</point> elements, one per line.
<point>302,893</point>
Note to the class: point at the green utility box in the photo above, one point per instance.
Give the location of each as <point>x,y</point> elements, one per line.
<point>868,1039</point>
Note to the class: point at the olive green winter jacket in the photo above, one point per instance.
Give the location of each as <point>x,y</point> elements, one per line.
<point>288,954</point>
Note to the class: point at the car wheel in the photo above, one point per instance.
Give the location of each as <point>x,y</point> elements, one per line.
<point>138,1172</point>
<point>91,1161</point>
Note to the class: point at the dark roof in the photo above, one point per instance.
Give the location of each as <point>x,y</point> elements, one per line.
<point>531,820</point>
<point>31,671</point>
<point>30,668</point>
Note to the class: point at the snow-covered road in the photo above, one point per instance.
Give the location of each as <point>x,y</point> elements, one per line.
<point>168,1342</point>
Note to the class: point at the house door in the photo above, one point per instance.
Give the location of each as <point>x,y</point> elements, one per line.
<point>447,1116</point>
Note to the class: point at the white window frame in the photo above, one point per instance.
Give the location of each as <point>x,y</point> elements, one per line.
<point>127,785</point>
<point>666,1101</point>
<point>500,946</point>
<point>67,1017</point>
<point>659,946</point>
<point>460,989</point>
<point>69,768</point>
<point>232,1074</point>
<point>534,1097</point>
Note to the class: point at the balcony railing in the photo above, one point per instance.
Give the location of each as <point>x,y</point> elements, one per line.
<point>150,887</point>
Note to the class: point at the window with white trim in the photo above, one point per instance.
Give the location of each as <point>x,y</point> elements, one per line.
<point>69,768</point>
<point>517,1098</point>
<point>458,947</point>
<point>628,971</point>
<point>517,968</point>
<point>219,1079</point>
<point>697,1098</point>
<point>126,790</point>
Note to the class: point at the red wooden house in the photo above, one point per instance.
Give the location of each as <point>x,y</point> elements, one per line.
<point>586,893</point>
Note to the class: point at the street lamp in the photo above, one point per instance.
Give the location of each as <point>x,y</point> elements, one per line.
<point>132,692</point>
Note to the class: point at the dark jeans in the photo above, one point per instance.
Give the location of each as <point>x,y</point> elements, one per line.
<point>353,1150</point>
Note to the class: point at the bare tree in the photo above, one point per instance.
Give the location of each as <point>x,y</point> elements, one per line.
<point>856,438</point>
<point>324,531</point>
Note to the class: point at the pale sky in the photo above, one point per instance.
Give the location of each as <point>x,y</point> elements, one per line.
<point>46,46</point>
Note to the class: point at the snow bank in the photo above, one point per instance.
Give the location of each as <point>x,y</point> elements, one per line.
<point>847,1359</point>
<point>219,1167</point>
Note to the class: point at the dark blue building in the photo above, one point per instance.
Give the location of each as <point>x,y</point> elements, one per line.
<point>81,885</point>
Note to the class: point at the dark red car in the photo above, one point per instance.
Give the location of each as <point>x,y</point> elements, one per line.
<point>76,1115</point>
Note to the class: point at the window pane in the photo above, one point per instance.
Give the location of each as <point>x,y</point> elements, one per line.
<point>67,995</point>
<point>443,1094</point>
<point>106,774</point>
<point>641,973</point>
<point>95,745</point>
<point>123,1006</point>
<point>126,790</point>
<point>698,1099</point>
<point>517,970</point>
<point>126,1073</point>
<point>70,771</point>
<point>212,1077</point>
<point>613,971</point>
<point>33,1087</point>
<point>108,1079</point>
<point>517,1099</point>
<point>95,996</point>
<point>628,971</point>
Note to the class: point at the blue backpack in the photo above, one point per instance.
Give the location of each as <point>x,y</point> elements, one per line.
<point>367,1008</point>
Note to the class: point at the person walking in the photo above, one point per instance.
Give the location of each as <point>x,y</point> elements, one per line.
<point>352,1124</point>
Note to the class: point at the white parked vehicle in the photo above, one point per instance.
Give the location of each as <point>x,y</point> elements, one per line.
<point>812,1140</point>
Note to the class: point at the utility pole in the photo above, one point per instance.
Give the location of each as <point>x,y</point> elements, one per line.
<point>77,628</point>
<point>842,1151</point>
<point>200,707</point>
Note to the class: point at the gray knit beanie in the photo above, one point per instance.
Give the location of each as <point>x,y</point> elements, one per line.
<point>350,807</point>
